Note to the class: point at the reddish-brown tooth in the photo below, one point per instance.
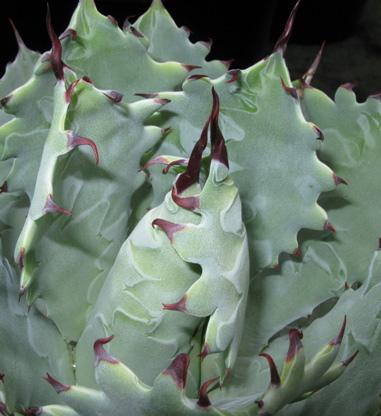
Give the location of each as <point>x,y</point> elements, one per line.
<point>234,73</point>
<point>70,90</point>
<point>180,162</point>
<point>219,151</point>
<point>277,267</point>
<point>74,140</point>
<point>196,77</point>
<point>191,202</point>
<point>178,369</point>
<point>177,306</point>
<point>281,44</point>
<point>67,33</point>
<point>307,77</point>
<point>186,29</point>
<point>328,226</point>
<point>295,344</point>
<point>338,180</point>
<point>51,206</point>
<point>260,403</point>
<point>348,86</point>
<point>21,292</point>
<point>58,387</point>
<point>165,130</point>
<point>350,359</point>
<point>20,258</point>
<point>203,400</point>
<point>113,20</point>
<point>127,22</point>
<point>205,352</point>
<point>297,252</point>
<point>228,371</point>
<point>162,101</point>
<point>4,101</point>
<point>2,378</point>
<point>291,90</point>
<point>136,32</point>
<point>168,227</point>
<point>190,67</point>
<point>36,411</point>
<point>339,338</point>
<point>379,243</point>
<point>155,161</point>
<point>275,379</point>
<point>147,95</point>
<point>55,56</point>
<point>3,406</point>
<point>303,84</point>
<point>208,44</point>
<point>319,133</point>
<point>29,306</point>
<point>227,63</point>
<point>87,79</point>
<point>114,96</point>
<point>4,187</point>
<point>101,354</point>
<point>376,95</point>
<point>309,316</point>
<point>346,286</point>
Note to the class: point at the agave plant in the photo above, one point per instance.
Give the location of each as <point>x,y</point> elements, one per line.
<point>183,226</point>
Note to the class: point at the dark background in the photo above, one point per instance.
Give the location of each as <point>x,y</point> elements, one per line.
<point>243,30</point>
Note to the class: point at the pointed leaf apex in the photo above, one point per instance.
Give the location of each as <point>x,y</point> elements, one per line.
<point>114,96</point>
<point>227,63</point>
<point>4,101</point>
<point>101,354</point>
<point>178,306</point>
<point>20,42</point>
<point>55,56</point>
<point>51,206</point>
<point>348,86</point>
<point>203,400</point>
<point>350,359</point>
<point>178,370</point>
<point>339,337</point>
<point>307,77</point>
<point>275,379</point>
<point>319,133</point>
<point>281,44</point>
<point>58,387</point>
<point>295,343</point>
<point>205,352</point>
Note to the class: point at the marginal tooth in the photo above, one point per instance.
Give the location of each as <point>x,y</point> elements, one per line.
<point>147,95</point>
<point>179,369</point>
<point>297,252</point>
<point>70,90</point>
<point>191,202</point>
<point>208,44</point>
<point>17,35</point>
<point>4,187</point>
<point>58,387</point>
<point>51,206</point>
<point>136,32</point>
<point>4,101</point>
<point>275,379</point>
<point>227,63</point>
<point>20,257</point>
<point>203,400</point>
<point>291,90</point>
<point>319,133</point>
<point>74,140</point>
<point>115,96</point>
<point>190,67</point>
<point>234,73</point>
<point>196,77</point>
<point>180,162</point>
<point>113,20</point>
<point>205,352</point>
<point>348,86</point>
<point>178,306</point>
<point>328,226</point>
<point>339,180</point>
<point>168,227</point>
<point>101,354</point>
<point>67,33</point>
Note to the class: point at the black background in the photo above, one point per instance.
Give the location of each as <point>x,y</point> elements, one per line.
<point>243,30</point>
